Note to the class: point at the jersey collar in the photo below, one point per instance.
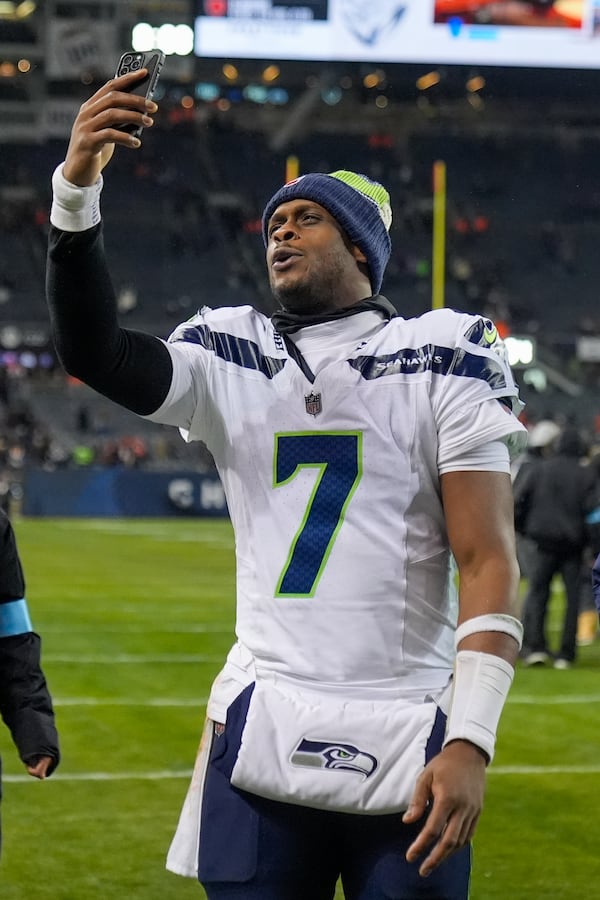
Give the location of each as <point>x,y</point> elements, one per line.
<point>287,323</point>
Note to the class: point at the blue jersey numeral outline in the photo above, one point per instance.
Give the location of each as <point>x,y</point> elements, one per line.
<point>338,457</point>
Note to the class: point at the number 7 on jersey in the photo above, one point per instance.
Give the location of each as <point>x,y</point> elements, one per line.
<point>337,456</point>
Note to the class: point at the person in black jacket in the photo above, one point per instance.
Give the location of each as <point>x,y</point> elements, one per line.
<point>542,438</point>
<point>25,701</point>
<point>555,499</point>
<point>596,584</point>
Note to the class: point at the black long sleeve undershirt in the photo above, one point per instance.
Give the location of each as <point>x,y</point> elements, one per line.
<point>129,367</point>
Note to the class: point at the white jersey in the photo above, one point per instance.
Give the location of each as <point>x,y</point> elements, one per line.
<point>344,574</point>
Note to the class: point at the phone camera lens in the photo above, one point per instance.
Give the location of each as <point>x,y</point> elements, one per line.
<point>127,60</point>
<point>135,64</point>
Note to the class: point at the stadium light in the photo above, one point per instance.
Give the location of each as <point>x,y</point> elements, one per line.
<point>271,73</point>
<point>475,83</point>
<point>230,72</point>
<point>16,11</point>
<point>25,9</point>
<point>520,350</point>
<point>256,93</point>
<point>331,95</point>
<point>207,91</point>
<point>424,82</point>
<point>171,39</point>
<point>278,96</point>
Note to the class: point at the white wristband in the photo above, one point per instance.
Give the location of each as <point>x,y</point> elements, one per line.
<point>490,622</point>
<point>74,208</point>
<point>480,687</point>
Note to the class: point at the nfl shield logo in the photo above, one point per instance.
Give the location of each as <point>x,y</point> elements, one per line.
<point>313,404</point>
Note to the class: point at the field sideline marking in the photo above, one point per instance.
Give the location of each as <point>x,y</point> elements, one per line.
<point>199,701</point>
<point>187,773</point>
<point>128,658</point>
<point>125,701</point>
<point>139,629</point>
<point>557,700</point>
<point>155,531</point>
<point>544,770</point>
<point>107,776</point>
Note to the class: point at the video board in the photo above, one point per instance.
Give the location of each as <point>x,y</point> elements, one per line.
<point>538,33</point>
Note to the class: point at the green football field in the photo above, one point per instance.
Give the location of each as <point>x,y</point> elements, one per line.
<point>136,617</point>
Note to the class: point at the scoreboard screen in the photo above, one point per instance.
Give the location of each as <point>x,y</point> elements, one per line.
<point>539,33</point>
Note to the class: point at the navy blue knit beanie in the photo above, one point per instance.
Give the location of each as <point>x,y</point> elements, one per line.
<point>359,205</point>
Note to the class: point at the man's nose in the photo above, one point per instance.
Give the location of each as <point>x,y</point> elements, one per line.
<point>284,232</point>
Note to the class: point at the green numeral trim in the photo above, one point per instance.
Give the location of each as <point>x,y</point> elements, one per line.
<point>337,455</point>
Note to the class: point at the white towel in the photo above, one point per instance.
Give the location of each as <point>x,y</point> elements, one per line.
<point>317,749</point>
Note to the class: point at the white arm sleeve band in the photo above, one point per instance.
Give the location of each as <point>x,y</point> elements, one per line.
<point>491,457</point>
<point>490,622</point>
<point>74,208</point>
<point>480,687</point>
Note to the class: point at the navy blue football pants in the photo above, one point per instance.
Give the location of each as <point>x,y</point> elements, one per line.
<point>257,849</point>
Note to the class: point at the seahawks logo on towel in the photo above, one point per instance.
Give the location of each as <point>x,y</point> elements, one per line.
<point>333,755</point>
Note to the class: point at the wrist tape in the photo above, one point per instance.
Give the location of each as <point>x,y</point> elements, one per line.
<point>490,622</point>
<point>74,208</point>
<point>480,687</point>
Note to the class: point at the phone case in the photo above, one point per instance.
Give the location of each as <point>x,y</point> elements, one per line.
<point>132,61</point>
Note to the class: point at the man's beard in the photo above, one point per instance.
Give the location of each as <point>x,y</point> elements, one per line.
<point>312,295</point>
<point>303,298</point>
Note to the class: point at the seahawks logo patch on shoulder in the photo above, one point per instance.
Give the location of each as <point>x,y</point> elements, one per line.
<point>490,332</point>
<point>333,755</point>
<point>485,334</point>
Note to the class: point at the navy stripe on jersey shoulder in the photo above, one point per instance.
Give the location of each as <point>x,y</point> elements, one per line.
<point>239,351</point>
<point>439,360</point>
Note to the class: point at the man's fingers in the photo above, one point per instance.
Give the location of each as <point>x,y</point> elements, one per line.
<point>129,77</point>
<point>110,104</point>
<point>39,768</point>
<point>430,833</point>
<point>447,844</point>
<point>114,111</point>
<point>419,800</point>
<point>455,835</point>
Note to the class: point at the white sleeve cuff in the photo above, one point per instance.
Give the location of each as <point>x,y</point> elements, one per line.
<point>74,208</point>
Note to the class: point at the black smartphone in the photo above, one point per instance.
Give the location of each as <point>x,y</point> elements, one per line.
<point>133,61</point>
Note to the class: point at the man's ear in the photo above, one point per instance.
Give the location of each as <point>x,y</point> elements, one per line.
<point>358,255</point>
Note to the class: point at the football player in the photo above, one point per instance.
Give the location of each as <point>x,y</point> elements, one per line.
<point>363,455</point>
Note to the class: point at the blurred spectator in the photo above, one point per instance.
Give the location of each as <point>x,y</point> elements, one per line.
<point>131,451</point>
<point>557,242</point>
<point>587,622</point>
<point>542,437</point>
<point>596,583</point>
<point>556,495</point>
<point>82,417</point>
<point>82,455</point>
